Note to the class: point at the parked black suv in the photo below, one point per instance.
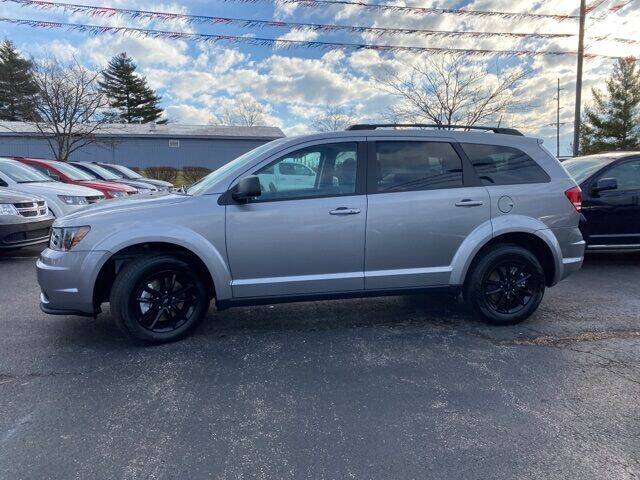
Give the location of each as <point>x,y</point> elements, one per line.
<point>610,185</point>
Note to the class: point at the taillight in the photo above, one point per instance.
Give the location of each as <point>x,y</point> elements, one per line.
<point>575,197</point>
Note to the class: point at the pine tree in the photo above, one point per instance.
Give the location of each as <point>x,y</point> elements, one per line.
<point>129,96</point>
<point>18,91</point>
<point>613,121</point>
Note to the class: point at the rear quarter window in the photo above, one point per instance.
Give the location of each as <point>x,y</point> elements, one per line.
<point>501,165</point>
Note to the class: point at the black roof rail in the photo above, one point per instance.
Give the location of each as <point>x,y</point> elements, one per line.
<point>373,126</point>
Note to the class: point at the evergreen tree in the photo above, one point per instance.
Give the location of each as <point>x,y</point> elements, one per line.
<point>18,91</point>
<point>613,121</point>
<point>129,96</point>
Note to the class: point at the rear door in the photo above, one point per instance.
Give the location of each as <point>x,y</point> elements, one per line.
<point>424,201</point>
<point>301,238</point>
<point>613,216</point>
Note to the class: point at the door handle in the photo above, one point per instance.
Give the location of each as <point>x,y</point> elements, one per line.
<point>344,211</point>
<point>467,202</point>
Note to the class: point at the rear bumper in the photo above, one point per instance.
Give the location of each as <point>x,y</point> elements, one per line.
<point>572,247</point>
<point>17,235</point>
<point>67,280</point>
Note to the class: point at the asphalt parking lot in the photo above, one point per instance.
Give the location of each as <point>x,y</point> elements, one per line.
<point>387,388</point>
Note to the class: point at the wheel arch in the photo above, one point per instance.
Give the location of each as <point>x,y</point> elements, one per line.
<point>528,233</point>
<point>206,258</point>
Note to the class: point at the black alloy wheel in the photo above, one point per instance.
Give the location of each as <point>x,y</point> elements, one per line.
<point>505,284</point>
<point>510,286</point>
<point>166,300</point>
<point>158,299</point>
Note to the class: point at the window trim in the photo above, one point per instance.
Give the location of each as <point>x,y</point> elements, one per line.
<point>361,173</point>
<point>469,178</point>
<point>475,172</point>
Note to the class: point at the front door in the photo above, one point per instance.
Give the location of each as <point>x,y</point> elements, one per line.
<point>420,211</point>
<point>613,216</point>
<point>302,237</point>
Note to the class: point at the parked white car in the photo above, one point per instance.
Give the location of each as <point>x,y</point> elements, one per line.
<point>62,198</point>
<point>287,176</point>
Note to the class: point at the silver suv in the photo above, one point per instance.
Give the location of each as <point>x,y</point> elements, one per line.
<point>363,212</point>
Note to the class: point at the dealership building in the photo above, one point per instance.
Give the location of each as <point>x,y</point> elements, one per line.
<point>146,145</point>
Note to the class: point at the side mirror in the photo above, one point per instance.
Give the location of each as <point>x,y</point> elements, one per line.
<point>605,184</point>
<point>54,177</point>
<point>247,188</point>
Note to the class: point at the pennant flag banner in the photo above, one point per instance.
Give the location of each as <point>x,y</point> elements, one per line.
<point>97,11</point>
<point>107,11</point>
<point>271,42</point>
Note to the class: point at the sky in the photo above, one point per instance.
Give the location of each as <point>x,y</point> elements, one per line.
<point>198,82</point>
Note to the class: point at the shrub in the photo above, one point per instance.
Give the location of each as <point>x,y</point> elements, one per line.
<point>136,169</point>
<point>191,175</point>
<point>168,174</point>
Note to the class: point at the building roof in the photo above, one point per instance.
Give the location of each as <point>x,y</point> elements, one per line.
<point>171,130</point>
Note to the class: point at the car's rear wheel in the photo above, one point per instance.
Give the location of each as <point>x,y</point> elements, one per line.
<point>158,299</point>
<point>505,285</point>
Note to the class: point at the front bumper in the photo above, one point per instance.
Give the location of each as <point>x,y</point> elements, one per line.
<point>67,280</point>
<point>23,234</point>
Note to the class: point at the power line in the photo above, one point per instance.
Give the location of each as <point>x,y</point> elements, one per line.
<point>275,42</point>
<point>100,11</point>
<point>423,10</point>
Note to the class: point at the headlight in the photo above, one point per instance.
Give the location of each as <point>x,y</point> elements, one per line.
<point>8,209</point>
<point>117,194</point>
<point>71,200</point>
<point>66,238</point>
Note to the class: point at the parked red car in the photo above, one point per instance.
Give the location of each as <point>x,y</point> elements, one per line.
<point>66,173</point>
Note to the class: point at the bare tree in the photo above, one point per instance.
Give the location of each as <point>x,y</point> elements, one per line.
<point>245,111</point>
<point>448,90</point>
<point>69,104</point>
<point>333,118</point>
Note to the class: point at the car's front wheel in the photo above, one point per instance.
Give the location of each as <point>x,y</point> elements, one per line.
<point>505,285</point>
<point>158,299</point>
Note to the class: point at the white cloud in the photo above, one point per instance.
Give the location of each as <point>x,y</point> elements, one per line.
<point>188,114</point>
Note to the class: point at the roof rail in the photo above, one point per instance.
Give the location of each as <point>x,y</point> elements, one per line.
<point>374,126</point>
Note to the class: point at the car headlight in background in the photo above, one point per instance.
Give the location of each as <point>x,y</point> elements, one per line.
<point>73,200</point>
<point>63,239</point>
<point>117,194</point>
<point>8,209</point>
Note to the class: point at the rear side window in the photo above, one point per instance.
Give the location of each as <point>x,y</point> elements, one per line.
<point>405,166</point>
<point>500,165</point>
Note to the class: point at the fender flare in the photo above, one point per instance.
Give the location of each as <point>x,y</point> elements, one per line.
<point>214,260</point>
<point>496,227</point>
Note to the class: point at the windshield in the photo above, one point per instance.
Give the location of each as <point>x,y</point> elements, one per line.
<point>122,170</point>
<point>21,173</point>
<point>582,168</point>
<point>72,172</point>
<point>202,185</point>
<point>103,172</point>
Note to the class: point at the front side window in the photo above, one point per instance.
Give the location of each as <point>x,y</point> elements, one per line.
<point>406,166</point>
<point>626,174</point>
<point>321,170</point>
<point>500,165</point>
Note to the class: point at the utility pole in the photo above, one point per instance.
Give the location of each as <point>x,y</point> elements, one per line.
<point>576,122</point>
<point>558,123</point>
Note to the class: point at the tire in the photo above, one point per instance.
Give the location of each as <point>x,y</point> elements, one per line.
<point>158,299</point>
<point>505,285</point>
